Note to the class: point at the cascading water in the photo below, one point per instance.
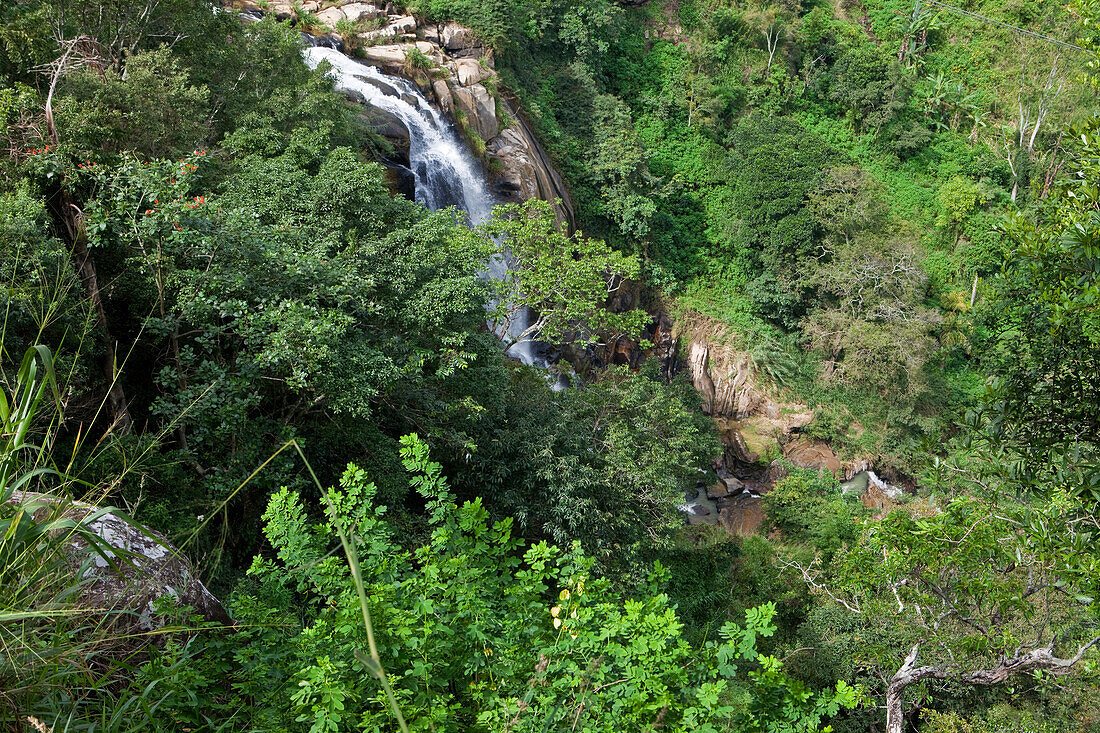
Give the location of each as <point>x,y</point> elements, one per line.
<point>444,172</point>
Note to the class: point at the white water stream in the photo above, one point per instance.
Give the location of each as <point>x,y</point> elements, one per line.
<point>444,171</point>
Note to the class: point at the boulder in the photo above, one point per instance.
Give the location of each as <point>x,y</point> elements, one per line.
<point>281,8</point>
<point>331,16</point>
<point>135,567</point>
<point>480,109</point>
<point>812,454</point>
<point>431,33</point>
<point>388,57</point>
<point>396,27</point>
<point>469,71</point>
<point>402,24</point>
<point>457,38</point>
<point>360,11</point>
<point>389,126</point>
<point>443,96</point>
<point>717,491</point>
<point>519,180</point>
<point>733,485</point>
<point>742,515</point>
<point>777,471</point>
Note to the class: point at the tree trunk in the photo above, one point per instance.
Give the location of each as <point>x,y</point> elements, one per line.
<point>116,397</point>
<point>67,215</point>
<point>1041,658</point>
<point>895,717</point>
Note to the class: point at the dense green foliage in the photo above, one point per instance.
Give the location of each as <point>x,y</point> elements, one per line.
<point>774,162</point>
<point>215,308</point>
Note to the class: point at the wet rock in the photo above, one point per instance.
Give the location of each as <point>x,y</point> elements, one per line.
<point>389,126</point>
<point>665,345</point>
<point>881,496</point>
<point>401,180</point>
<point>135,567</point>
<point>733,485</point>
<point>855,467</point>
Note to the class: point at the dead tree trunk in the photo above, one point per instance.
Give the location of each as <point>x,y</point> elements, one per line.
<point>1036,659</point>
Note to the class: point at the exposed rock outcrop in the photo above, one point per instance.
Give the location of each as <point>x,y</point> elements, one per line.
<point>133,569</point>
<point>526,170</point>
<point>479,109</point>
<point>742,515</point>
<point>723,376</point>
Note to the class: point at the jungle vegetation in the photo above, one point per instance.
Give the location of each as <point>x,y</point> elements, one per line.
<point>219,320</point>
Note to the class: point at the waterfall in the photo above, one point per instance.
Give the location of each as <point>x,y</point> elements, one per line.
<point>444,172</point>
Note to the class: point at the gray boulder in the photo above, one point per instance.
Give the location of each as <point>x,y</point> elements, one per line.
<point>133,569</point>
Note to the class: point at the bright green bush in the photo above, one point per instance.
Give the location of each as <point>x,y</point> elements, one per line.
<point>466,621</point>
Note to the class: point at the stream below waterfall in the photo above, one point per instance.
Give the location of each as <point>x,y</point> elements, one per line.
<point>445,173</point>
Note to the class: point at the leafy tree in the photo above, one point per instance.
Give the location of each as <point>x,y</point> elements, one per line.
<point>981,596</point>
<point>871,86</point>
<point>848,201</point>
<point>807,506</point>
<point>774,164</point>
<point>565,279</point>
<point>878,333</point>
<point>297,302</point>
<point>605,462</point>
<point>772,21</point>
<point>1042,333</point>
<point>620,169</point>
<point>152,109</point>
